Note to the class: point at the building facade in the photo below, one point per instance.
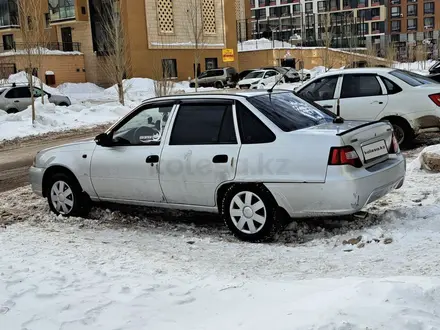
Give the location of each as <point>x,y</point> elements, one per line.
<point>172,33</point>
<point>412,23</point>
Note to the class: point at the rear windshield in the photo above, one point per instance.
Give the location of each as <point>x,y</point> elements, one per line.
<point>412,79</point>
<point>289,112</point>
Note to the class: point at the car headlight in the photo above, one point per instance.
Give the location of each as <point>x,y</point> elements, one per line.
<point>256,82</point>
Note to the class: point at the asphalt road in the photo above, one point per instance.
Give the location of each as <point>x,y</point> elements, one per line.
<point>15,159</point>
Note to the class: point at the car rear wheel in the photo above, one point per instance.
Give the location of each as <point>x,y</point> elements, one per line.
<point>62,104</point>
<point>66,197</point>
<point>250,212</point>
<point>402,131</point>
<point>218,84</point>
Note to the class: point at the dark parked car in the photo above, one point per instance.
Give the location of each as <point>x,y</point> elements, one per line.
<point>291,76</point>
<point>434,72</point>
<point>218,78</point>
<point>244,73</point>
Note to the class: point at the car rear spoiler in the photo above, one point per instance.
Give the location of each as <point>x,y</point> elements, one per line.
<point>360,126</point>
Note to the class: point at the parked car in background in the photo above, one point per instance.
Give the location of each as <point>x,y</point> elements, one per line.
<point>411,102</point>
<point>255,148</point>
<point>291,76</point>
<point>434,71</point>
<point>218,78</point>
<point>304,74</point>
<point>244,73</point>
<point>259,79</point>
<point>16,98</point>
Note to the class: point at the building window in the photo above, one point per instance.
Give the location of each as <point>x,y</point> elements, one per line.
<point>296,9</point>
<point>395,12</point>
<point>8,41</point>
<point>428,22</point>
<point>412,10</point>
<point>211,63</point>
<point>346,4</point>
<point>9,13</point>
<point>395,2</point>
<point>208,16</point>
<point>47,20</point>
<point>322,6</point>
<point>412,24</point>
<point>395,26</point>
<point>169,68</point>
<point>165,16</point>
<point>428,8</point>
<point>309,8</point>
<point>61,9</point>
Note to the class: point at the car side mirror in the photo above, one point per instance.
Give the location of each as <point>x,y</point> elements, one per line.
<point>103,140</point>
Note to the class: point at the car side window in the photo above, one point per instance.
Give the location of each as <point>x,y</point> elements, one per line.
<point>146,127</point>
<point>270,74</point>
<point>321,89</point>
<point>18,93</point>
<point>199,124</point>
<point>392,87</point>
<point>38,92</point>
<point>252,129</point>
<point>360,85</point>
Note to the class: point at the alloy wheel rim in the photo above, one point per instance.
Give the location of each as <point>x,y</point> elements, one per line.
<point>399,133</point>
<point>62,197</point>
<point>248,212</point>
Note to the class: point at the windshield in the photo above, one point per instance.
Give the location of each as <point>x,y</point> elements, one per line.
<point>255,74</point>
<point>412,79</point>
<point>289,112</point>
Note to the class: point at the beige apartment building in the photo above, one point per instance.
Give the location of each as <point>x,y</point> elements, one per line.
<point>158,33</point>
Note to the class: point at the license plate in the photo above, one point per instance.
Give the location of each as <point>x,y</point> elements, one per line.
<point>374,150</point>
<point>244,87</point>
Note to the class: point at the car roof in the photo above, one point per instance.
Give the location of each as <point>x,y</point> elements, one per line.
<point>219,93</point>
<point>357,70</point>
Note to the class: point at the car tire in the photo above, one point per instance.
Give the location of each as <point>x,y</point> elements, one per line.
<point>256,217</point>
<point>11,111</point>
<point>402,131</point>
<point>218,85</point>
<point>63,104</point>
<point>65,196</point>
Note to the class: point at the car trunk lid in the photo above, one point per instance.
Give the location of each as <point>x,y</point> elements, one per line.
<point>371,140</point>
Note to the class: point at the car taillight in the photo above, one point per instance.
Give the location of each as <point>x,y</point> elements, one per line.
<point>344,156</point>
<point>394,148</point>
<point>435,98</point>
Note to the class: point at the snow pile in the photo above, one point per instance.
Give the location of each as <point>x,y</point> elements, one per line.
<point>428,159</point>
<point>21,78</point>
<point>263,43</point>
<point>52,118</point>
<point>81,92</point>
<point>421,67</point>
<point>39,51</point>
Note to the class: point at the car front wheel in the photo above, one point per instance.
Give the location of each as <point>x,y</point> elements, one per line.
<point>250,212</point>
<point>65,196</point>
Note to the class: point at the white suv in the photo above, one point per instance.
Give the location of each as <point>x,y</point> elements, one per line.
<point>411,102</point>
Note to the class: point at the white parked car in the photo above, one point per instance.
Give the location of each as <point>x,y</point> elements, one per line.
<point>259,79</point>
<point>254,157</point>
<point>411,102</point>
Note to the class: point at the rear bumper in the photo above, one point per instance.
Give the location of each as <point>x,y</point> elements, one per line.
<point>36,180</point>
<point>341,194</point>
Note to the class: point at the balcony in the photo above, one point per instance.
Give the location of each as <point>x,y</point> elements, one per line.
<point>9,14</point>
<point>61,46</point>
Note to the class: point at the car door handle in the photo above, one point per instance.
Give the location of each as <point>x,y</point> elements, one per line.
<point>220,159</point>
<point>380,102</point>
<point>328,106</point>
<point>16,101</point>
<point>152,159</point>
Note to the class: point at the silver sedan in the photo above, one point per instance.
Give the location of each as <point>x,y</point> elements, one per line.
<point>250,156</point>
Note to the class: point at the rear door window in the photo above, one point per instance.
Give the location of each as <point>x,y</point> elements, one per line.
<point>252,129</point>
<point>391,86</point>
<point>360,85</point>
<point>200,124</point>
<point>18,93</point>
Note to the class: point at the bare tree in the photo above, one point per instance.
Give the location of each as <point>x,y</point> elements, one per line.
<point>391,54</point>
<point>162,73</point>
<point>326,39</point>
<point>196,32</point>
<point>113,44</point>
<point>32,28</point>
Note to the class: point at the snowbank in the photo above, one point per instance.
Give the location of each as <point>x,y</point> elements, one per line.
<point>21,77</point>
<point>428,159</point>
<point>52,118</point>
<point>37,51</point>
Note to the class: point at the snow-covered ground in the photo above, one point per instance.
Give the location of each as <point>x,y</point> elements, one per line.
<point>144,269</point>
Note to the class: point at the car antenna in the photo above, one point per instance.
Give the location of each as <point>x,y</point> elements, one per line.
<point>270,90</point>
<point>338,119</point>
